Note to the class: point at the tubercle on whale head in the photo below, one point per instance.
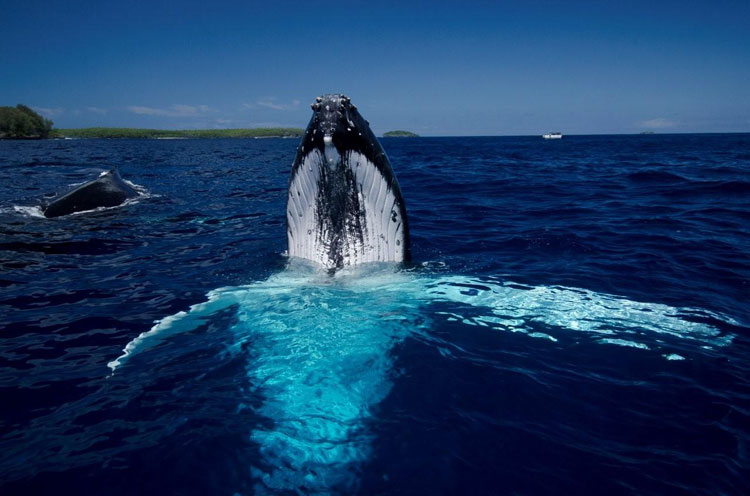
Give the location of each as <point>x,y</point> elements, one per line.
<point>337,128</point>
<point>335,117</point>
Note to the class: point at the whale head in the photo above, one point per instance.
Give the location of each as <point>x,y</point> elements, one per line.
<point>344,204</point>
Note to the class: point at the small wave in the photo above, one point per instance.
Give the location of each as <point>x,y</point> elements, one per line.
<point>179,322</point>
<point>655,176</point>
<point>673,357</point>
<point>740,187</point>
<point>710,188</point>
<point>93,246</point>
<point>140,189</point>
<point>143,193</point>
<point>45,163</point>
<point>624,342</point>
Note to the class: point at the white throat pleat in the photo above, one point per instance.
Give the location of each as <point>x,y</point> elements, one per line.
<point>375,233</point>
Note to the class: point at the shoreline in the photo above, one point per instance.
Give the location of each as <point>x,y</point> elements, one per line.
<point>142,133</point>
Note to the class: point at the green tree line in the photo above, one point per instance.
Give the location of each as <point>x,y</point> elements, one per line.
<point>124,132</point>
<point>22,122</point>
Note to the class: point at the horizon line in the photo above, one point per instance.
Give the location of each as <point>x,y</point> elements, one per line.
<point>634,133</point>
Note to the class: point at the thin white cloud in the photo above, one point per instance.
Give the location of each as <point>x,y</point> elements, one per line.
<point>658,123</point>
<point>50,112</point>
<point>225,122</point>
<point>268,124</point>
<point>96,110</point>
<point>272,104</point>
<point>173,111</point>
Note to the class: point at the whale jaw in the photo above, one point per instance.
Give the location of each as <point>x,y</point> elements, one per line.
<point>344,204</point>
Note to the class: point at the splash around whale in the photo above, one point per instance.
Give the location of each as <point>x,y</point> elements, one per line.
<point>320,351</point>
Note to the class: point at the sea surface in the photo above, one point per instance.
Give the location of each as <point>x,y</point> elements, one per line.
<point>575,320</point>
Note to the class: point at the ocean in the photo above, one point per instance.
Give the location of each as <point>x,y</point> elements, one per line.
<point>574,320</point>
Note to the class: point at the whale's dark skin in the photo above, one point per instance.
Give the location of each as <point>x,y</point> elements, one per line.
<point>108,190</point>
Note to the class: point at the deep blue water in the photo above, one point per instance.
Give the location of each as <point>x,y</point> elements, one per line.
<point>575,321</point>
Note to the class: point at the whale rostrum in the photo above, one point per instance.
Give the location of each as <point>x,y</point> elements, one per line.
<point>344,205</point>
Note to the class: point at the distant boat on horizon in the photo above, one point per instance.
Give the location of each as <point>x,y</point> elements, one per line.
<point>555,135</point>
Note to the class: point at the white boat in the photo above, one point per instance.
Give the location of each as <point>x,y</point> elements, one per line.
<point>552,135</point>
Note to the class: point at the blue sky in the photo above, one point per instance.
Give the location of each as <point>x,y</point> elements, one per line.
<point>437,68</point>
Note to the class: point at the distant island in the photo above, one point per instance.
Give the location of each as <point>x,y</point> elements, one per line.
<point>137,133</point>
<point>400,134</point>
<point>20,122</point>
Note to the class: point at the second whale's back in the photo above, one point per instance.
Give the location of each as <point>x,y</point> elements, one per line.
<point>109,190</point>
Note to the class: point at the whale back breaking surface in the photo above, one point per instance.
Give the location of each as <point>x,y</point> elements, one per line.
<point>344,204</point>
<point>108,190</point>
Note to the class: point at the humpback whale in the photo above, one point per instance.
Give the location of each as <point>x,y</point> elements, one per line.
<point>108,190</point>
<point>344,205</point>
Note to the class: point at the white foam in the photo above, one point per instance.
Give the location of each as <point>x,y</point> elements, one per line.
<point>27,211</point>
<point>140,189</point>
<point>179,322</point>
<point>513,306</point>
<point>673,357</point>
<point>624,342</point>
<point>542,335</point>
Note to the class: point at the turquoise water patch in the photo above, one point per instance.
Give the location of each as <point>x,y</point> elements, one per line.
<point>320,350</point>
